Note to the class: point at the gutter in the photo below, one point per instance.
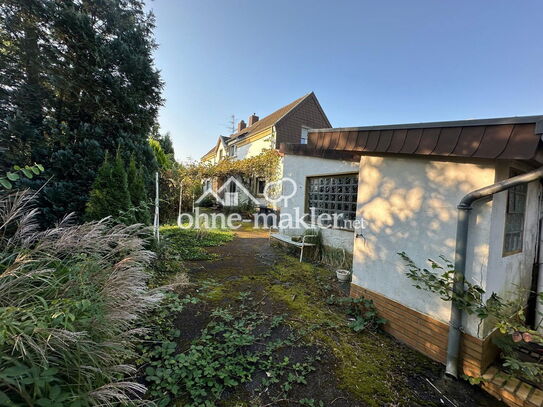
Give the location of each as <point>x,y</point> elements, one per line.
<point>464,208</point>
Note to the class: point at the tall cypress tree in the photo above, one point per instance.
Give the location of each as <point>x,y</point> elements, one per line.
<point>76,79</point>
<point>99,204</point>
<point>109,195</point>
<point>138,194</point>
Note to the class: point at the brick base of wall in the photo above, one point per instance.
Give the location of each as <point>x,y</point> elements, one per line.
<point>428,335</point>
<point>510,390</point>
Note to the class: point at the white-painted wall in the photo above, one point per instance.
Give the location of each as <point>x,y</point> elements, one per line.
<point>220,152</point>
<point>255,148</point>
<point>409,205</point>
<point>511,276</point>
<point>298,168</point>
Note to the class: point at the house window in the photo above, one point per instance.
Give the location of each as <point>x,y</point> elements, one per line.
<point>333,195</point>
<point>305,132</point>
<point>514,217</point>
<point>233,151</point>
<point>260,186</point>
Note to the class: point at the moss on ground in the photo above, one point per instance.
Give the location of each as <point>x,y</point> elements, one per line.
<point>371,367</point>
<point>367,362</point>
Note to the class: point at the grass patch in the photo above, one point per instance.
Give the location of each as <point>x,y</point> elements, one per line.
<point>190,244</point>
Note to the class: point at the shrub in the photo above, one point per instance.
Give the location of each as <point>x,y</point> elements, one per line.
<point>69,300</point>
<point>109,195</point>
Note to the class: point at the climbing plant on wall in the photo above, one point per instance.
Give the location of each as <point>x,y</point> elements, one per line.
<point>190,177</point>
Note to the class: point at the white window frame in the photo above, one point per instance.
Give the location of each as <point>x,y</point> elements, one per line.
<point>304,135</point>
<point>513,240</point>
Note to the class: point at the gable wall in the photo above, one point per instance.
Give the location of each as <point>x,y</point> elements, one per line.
<point>308,114</point>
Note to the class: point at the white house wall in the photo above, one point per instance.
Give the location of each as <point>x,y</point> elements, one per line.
<point>255,148</point>
<point>512,274</point>
<point>409,205</point>
<point>298,168</point>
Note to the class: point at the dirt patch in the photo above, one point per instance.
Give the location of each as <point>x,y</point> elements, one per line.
<point>365,369</point>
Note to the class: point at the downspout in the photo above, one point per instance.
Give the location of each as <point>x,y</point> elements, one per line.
<point>464,208</point>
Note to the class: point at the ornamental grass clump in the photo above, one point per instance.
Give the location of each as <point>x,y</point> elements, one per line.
<point>70,300</point>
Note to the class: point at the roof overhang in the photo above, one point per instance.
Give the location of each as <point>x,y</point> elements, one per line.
<point>514,138</point>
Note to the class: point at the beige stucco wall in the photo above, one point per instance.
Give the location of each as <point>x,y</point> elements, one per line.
<point>298,168</point>
<point>409,205</point>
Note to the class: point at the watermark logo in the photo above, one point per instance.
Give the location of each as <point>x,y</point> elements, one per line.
<point>288,188</point>
<point>233,193</point>
<point>230,190</point>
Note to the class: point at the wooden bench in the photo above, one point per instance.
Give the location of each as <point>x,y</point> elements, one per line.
<point>288,240</point>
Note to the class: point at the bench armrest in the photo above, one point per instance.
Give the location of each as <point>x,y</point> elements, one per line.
<point>304,236</point>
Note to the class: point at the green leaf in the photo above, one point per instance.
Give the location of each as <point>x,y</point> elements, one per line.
<point>40,167</point>
<point>12,176</point>
<point>5,183</point>
<point>35,170</point>
<point>27,173</point>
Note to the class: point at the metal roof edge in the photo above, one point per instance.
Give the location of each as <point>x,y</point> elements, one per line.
<point>538,120</point>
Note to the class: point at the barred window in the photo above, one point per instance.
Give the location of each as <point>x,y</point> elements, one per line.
<point>334,195</point>
<point>514,217</point>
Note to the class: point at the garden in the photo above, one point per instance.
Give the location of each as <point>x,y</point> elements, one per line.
<point>251,326</point>
<point>98,307</point>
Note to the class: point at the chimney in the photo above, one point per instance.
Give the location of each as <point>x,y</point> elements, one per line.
<point>241,125</point>
<point>253,119</point>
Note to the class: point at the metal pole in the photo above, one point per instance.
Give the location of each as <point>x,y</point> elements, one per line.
<point>156,222</point>
<point>180,200</point>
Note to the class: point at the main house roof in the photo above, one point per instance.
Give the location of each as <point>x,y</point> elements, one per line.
<point>514,138</point>
<point>263,123</point>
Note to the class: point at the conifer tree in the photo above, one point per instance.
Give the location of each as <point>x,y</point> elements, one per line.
<point>109,195</point>
<point>77,78</point>
<point>98,206</point>
<point>138,194</point>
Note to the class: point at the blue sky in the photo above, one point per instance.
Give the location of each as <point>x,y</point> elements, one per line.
<point>369,62</point>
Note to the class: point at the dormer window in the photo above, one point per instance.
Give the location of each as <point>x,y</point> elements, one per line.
<point>305,132</point>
